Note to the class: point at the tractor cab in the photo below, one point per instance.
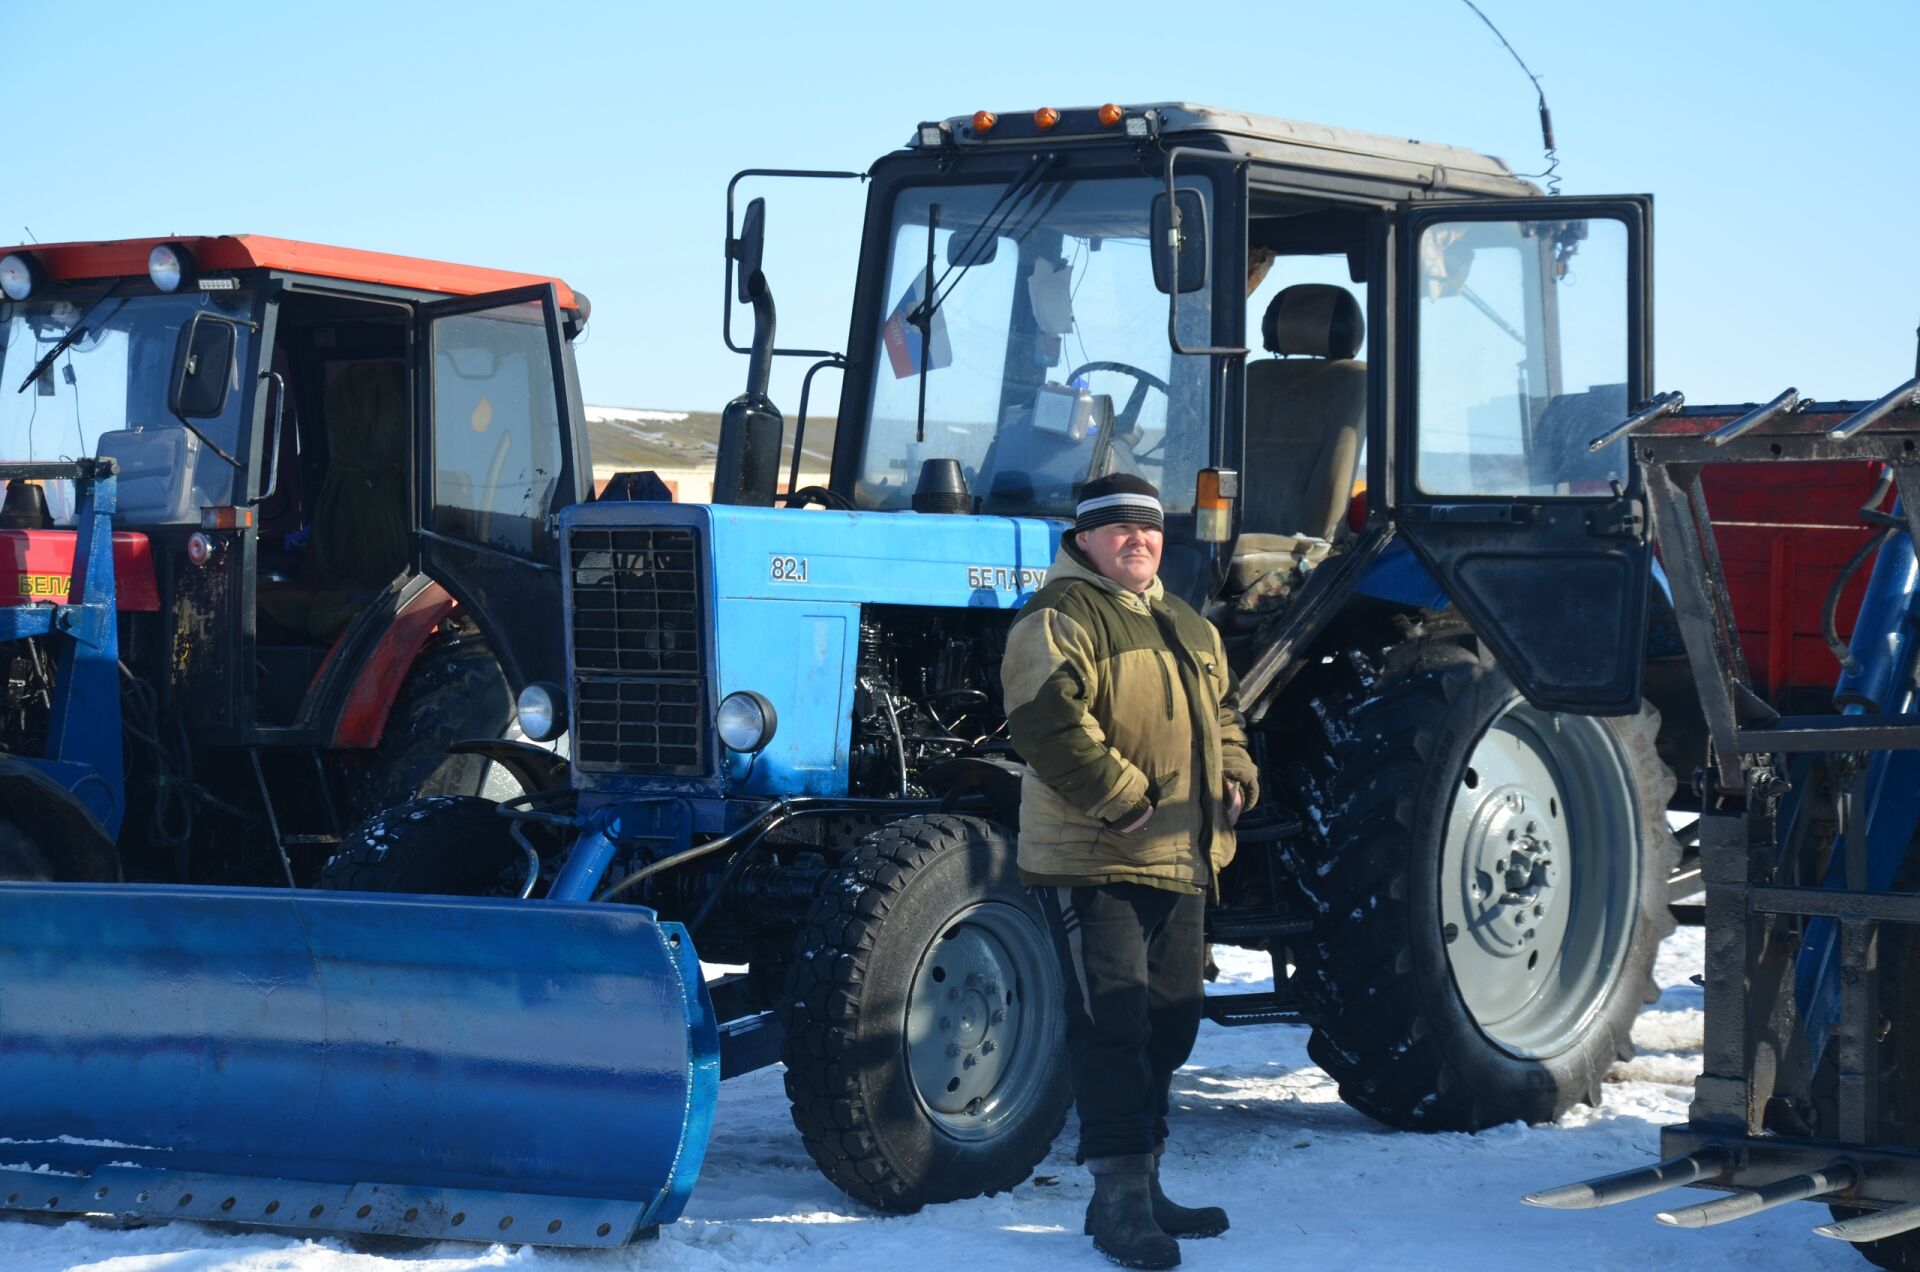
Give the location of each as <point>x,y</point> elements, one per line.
<point>330,464</point>
<point>1312,340</point>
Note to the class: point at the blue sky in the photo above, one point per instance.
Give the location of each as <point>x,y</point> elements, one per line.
<point>595,142</point>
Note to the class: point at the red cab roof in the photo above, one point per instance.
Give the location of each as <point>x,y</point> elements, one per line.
<point>216,253</point>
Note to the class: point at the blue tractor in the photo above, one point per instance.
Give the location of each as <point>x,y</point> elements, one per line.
<point>787,746</point>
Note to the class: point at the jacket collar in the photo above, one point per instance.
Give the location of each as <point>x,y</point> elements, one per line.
<point>1072,564</point>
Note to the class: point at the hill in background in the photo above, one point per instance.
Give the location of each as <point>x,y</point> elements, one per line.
<point>629,439</point>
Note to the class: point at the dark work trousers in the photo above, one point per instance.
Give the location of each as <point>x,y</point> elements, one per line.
<point>1134,957</point>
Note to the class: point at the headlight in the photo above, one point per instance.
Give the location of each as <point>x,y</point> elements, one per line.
<point>19,275</point>
<point>745,721</point>
<point>542,710</point>
<point>168,265</point>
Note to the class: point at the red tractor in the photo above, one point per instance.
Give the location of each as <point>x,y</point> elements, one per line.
<point>336,471</point>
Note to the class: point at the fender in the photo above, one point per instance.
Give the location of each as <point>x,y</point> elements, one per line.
<point>363,718</point>
<point>74,842</point>
<point>995,781</point>
<point>534,767</point>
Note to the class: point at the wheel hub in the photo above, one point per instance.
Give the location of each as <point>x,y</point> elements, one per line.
<point>1539,876</point>
<point>1509,874</point>
<point>964,1021</point>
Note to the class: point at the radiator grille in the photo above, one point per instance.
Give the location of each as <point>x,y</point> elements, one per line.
<point>639,655</point>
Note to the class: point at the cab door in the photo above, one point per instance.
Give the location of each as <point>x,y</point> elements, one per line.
<point>496,463</point>
<point>1528,335</point>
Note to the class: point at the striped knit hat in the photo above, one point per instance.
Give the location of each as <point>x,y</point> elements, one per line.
<point>1118,497</point>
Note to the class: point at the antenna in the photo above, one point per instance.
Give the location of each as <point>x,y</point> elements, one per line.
<point>1551,174</point>
<point>30,238</point>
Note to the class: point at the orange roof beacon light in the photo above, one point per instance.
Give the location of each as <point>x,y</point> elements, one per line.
<point>1216,489</point>
<point>983,122</point>
<point>1045,118</point>
<point>1110,115</point>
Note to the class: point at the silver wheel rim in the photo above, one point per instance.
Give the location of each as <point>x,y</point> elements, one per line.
<point>982,1020</point>
<point>1539,877</point>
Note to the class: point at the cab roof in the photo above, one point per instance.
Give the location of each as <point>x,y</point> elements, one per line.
<point>1419,165</point>
<point>223,252</point>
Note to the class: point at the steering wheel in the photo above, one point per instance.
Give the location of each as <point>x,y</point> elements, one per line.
<point>820,495</point>
<point>1130,410</point>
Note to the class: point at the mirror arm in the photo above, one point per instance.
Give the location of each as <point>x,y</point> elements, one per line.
<point>273,439</point>
<point>1173,270</point>
<point>210,444</point>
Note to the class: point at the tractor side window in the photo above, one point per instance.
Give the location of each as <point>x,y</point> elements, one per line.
<point>1522,330</point>
<point>495,426</point>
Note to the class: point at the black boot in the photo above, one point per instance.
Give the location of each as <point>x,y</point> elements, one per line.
<point>1120,1216</point>
<point>1184,1221</point>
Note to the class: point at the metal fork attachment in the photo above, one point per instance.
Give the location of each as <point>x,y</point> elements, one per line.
<point>1808,824</point>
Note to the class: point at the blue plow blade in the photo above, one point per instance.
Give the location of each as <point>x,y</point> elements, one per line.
<point>530,1072</point>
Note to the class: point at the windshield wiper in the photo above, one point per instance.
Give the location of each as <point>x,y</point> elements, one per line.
<point>74,335</point>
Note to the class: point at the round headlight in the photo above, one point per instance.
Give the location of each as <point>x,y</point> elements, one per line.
<point>19,274</point>
<point>745,721</point>
<point>542,710</point>
<point>168,265</point>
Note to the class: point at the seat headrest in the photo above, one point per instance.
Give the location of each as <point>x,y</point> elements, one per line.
<point>1316,319</point>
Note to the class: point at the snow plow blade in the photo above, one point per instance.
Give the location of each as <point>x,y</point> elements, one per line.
<point>529,1072</point>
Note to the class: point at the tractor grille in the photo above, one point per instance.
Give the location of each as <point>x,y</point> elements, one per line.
<point>639,650</point>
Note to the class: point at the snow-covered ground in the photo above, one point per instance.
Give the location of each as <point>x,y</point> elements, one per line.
<point>1309,1184</point>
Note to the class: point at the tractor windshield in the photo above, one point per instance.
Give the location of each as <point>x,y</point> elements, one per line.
<point>1044,360</point>
<point>106,394</point>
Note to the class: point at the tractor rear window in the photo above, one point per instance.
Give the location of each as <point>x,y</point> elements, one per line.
<point>1044,360</point>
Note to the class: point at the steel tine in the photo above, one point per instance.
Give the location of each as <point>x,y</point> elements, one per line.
<point>1906,396</point>
<point>1751,1201</point>
<point>1785,404</point>
<point>1675,1172</point>
<point>1665,404</point>
<point>1875,1226</point>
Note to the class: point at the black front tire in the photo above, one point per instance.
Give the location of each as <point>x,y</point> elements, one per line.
<point>1391,746</point>
<point>447,845</point>
<point>454,692</point>
<point>869,943</point>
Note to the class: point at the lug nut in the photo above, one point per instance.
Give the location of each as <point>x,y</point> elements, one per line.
<point>970,1061</point>
<point>986,1048</point>
<point>999,1017</point>
<point>953,1048</point>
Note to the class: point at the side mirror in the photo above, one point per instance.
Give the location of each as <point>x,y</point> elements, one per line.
<point>203,367</point>
<point>747,251</point>
<point>968,250</point>
<point>1179,238</point>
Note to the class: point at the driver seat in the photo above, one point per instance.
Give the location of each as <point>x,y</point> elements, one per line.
<point>1306,418</point>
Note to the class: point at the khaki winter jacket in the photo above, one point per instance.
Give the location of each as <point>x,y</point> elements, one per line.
<point>1115,700</point>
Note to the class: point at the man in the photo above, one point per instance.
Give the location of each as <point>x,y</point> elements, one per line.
<point>1119,699</point>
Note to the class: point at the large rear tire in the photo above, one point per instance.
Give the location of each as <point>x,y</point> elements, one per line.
<point>448,845</point>
<point>924,1037</point>
<point>1491,881</point>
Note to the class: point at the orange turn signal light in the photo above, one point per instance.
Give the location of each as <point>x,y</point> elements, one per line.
<point>1110,115</point>
<point>983,122</point>
<point>1214,492</point>
<point>1216,488</point>
<point>1045,118</point>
